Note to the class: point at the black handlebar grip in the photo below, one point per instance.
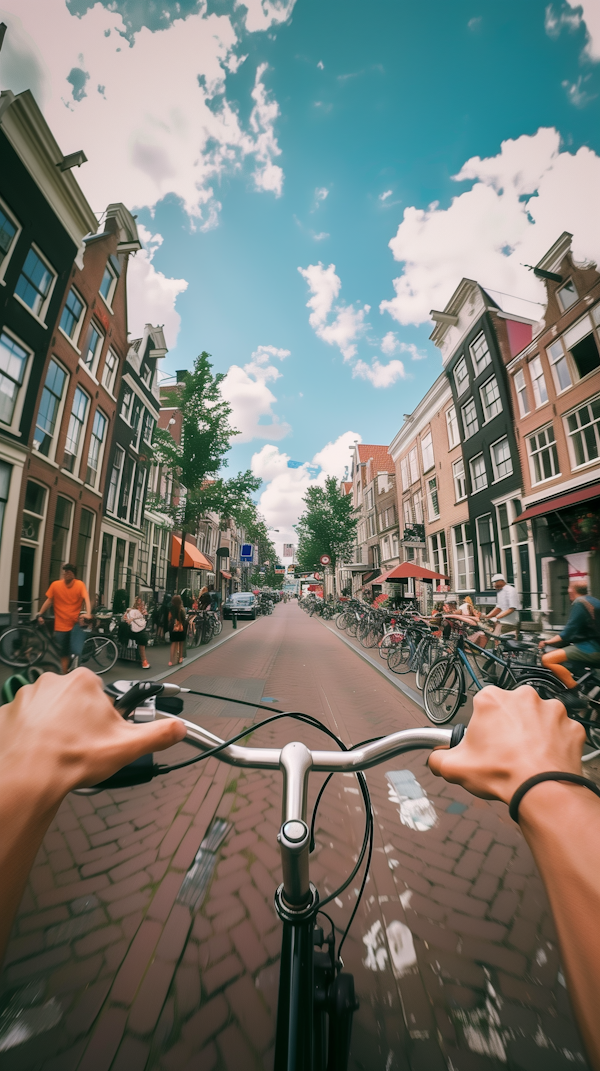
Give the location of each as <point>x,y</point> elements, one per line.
<point>141,691</point>
<point>458,731</point>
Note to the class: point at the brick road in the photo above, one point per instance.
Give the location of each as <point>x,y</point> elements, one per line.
<point>453,948</point>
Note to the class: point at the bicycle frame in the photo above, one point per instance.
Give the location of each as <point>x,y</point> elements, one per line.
<point>506,670</point>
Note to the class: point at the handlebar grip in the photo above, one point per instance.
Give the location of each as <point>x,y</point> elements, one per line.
<point>458,731</point>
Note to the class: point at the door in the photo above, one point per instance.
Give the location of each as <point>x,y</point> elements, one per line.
<point>558,570</point>
<point>25,586</point>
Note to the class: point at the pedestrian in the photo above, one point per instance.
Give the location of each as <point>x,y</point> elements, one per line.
<point>215,600</point>
<point>177,624</point>
<point>134,627</point>
<point>204,599</point>
<point>66,596</point>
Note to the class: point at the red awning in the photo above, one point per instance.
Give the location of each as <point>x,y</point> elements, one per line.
<point>225,574</point>
<point>381,579</point>
<point>552,504</point>
<point>192,558</point>
<point>410,571</point>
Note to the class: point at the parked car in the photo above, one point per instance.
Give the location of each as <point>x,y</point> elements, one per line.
<point>241,603</point>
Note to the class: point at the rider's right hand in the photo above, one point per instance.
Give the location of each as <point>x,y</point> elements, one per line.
<point>511,736</point>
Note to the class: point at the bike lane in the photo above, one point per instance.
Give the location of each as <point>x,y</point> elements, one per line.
<point>128,960</point>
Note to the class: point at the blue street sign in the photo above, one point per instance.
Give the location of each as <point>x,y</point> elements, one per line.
<point>247,552</point>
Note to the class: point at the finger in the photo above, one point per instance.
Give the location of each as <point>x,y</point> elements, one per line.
<point>436,761</point>
<point>153,736</point>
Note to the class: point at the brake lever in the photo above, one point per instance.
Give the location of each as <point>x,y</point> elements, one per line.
<point>139,693</point>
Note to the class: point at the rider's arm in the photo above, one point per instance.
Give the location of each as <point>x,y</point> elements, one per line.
<point>513,736</point>
<point>45,606</point>
<point>46,753</point>
<point>88,608</point>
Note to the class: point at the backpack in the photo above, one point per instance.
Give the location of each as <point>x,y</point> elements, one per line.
<point>592,612</point>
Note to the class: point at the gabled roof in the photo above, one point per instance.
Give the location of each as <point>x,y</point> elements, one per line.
<point>379,455</point>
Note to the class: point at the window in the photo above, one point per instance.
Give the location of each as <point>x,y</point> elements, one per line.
<point>408,513</point>
<point>501,459</point>
<point>543,457</point>
<point>84,543</point>
<point>582,426</point>
<point>427,452</point>
<point>5,475</point>
<point>439,556</point>
<point>514,543</point>
<point>567,295</point>
<point>452,425</point>
<point>487,551</point>
<point>461,376</point>
<point>582,345</point>
<point>405,474</point>
<point>35,283</point>
<point>146,374</point>
<point>138,496</point>
<point>369,498</point>
<point>387,517</point>
<point>540,394</point>
<point>126,484</point>
<point>478,473</point>
<point>490,399</point>
<point>126,403</point>
<point>13,362</point>
<point>371,527</point>
<point>148,427</point>
<point>108,284</point>
<point>72,315</point>
<point>521,390</point>
<point>95,450</point>
<point>375,556</point>
<point>60,537</point>
<point>105,556</point>
<point>460,483</point>
<point>47,417</point>
<point>414,465</point>
<point>75,429</point>
<point>33,512</point>
<point>463,557</point>
<point>432,499</point>
<point>418,507</point>
<point>135,419</point>
<point>506,544</point>
<point>8,231</point>
<point>480,354</point>
<point>559,366</point>
<point>115,479</point>
<point>469,416</point>
<point>91,353</point>
<point>110,371</point>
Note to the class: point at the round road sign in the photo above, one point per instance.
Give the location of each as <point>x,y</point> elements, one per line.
<point>325,559</point>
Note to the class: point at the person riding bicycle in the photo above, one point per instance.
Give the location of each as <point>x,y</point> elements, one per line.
<point>204,600</point>
<point>579,642</point>
<point>215,600</point>
<point>67,596</point>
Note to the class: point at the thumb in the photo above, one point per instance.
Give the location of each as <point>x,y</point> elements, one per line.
<point>436,761</point>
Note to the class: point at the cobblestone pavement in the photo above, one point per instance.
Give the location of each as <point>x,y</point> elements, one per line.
<point>453,948</point>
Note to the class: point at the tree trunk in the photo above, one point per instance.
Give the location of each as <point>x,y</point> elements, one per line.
<point>181,560</point>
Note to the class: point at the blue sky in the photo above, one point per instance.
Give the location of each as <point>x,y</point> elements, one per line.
<point>317,132</point>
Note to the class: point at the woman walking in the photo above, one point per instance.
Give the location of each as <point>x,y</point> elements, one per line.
<point>134,620</point>
<point>177,624</point>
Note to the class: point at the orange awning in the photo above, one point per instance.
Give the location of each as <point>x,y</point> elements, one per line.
<point>192,558</point>
<point>225,574</point>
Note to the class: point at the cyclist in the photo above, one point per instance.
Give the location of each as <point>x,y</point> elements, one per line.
<point>67,596</point>
<point>204,599</point>
<point>579,642</point>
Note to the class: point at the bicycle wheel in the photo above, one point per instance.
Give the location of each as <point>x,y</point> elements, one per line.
<point>343,620</point>
<point>352,628</point>
<point>389,641</point>
<point>207,630</point>
<point>217,626</point>
<point>427,657</point>
<point>443,690</point>
<point>21,646</point>
<point>399,657</point>
<point>99,654</point>
<point>545,687</point>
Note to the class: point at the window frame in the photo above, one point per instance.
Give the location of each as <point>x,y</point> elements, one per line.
<point>466,541</point>
<point>119,452</point>
<point>452,426</point>
<point>533,453</point>
<point>13,427</point>
<point>462,386</point>
<point>494,566</point>
<point>535,382</point>
<point>13,243</point>
<point>92,367</point>
<point>595,424</point>
<point>497,478</point>
<point>438,548</point>
<point>427,447</point>
<point>109,388</point>
<point>113,286</point>
<point>102,445</point>
<point>563,307</point>
<point>69,537</point>
<point>498,399</point>
<point>521,392</point>
<point>413,457</point>
<point>433,499</point>
<point>475,490</point>
<point>456,478</point>
<point>554,363</point>
<point>74,338</point>
<point>74,472</point>
<point>41,315</point>
<point>60,409</point>
<point>477,370</point>
<point>469,434</point>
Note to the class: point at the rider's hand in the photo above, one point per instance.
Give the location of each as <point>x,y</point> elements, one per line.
<point>64,732</point>
<point>542,643</point>
<point>511,736</point>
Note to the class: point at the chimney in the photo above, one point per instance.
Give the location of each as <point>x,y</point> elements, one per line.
<point>181,374</point>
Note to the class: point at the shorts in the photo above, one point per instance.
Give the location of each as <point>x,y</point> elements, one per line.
<point>575,654</point>
<point>501,628</point>
<point>70,643</point>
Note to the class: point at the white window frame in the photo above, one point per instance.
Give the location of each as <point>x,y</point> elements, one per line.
<point>79,324</point>
<point>487,416</point>
<point>475,490</point>
<point>418,507</point>
<point>521,392</point>
<point>535,381</point>
<point>585,326</point>
<point>404,472</point>
<point>459,477</point>
<point>595,424</point>
<point>462,385</point>
<point>563,307</point>
<point>119,452</point>
<point>123,416</point>
<point>92,368</point>
<point>407,512</point>
<point>50,456</point>
<point>101,449</point>
<point>41,315</point>
<point>477,367</point>
<point>427,452</point>
<point>532,454</point>
<point>13,427</point>
<point>554,360</point>
<point>438,552</point>
<point>497,477</point>
<point>15,238</point>
<point>494,566</point>
<point>109,387</point>
<point>469,434</point>
<point>74,472</point>
<point>413,463</point>
<point>452,427</point>
<point>433,497</point>
<point>113,286</point>
<point>464,542</point>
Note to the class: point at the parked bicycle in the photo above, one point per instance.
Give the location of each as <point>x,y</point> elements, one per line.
<point>33,645</point>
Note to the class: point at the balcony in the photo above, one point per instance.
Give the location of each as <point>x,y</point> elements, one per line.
<point>414,536</point>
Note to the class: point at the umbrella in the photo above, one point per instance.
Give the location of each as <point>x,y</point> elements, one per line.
<point>408,571</point>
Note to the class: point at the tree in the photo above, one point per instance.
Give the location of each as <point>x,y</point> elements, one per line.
<point>194,462</point>
<point>327,526</point>
<point>268,560</point>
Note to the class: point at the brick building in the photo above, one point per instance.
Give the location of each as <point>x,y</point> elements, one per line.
<point>373,491</point>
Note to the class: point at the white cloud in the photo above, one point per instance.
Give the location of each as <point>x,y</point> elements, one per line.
<point>389,344</point>
<point>576,92</point>
<point>518,204</point>
<point>281,501</point>
<point>251,399</point>
<point>320,237</point>
<point>384,196</point>
<point>570,17</point>
<point>415,352</point>
<point>321,194</point>
<point>151,295</point>
<point>475,23</point>
<point>262,14</point>
<point>348,324</point>
<point>155,101</point>
<point>380,375</point>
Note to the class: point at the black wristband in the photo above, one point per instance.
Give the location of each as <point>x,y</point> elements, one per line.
<point>550,775</point>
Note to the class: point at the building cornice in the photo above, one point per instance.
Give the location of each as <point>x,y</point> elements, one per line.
<point>429,406</point>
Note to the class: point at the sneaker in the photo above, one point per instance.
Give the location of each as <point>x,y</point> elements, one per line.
<point>573,702</point>
<point>146,665</point>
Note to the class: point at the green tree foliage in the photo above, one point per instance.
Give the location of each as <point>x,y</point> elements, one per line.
<point>327,526</point>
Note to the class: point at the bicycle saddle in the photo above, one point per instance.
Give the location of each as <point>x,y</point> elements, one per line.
<point>516,645</point>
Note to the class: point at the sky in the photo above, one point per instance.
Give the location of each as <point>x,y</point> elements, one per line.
<point>311,178</point>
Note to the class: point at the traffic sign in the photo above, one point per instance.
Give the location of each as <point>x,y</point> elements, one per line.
<point>247,552</point>
<point>325,559</point>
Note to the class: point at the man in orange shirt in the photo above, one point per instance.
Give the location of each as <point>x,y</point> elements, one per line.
<point>67,596</point>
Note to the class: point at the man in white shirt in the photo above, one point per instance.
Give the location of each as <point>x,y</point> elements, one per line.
<point>506,610</point>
